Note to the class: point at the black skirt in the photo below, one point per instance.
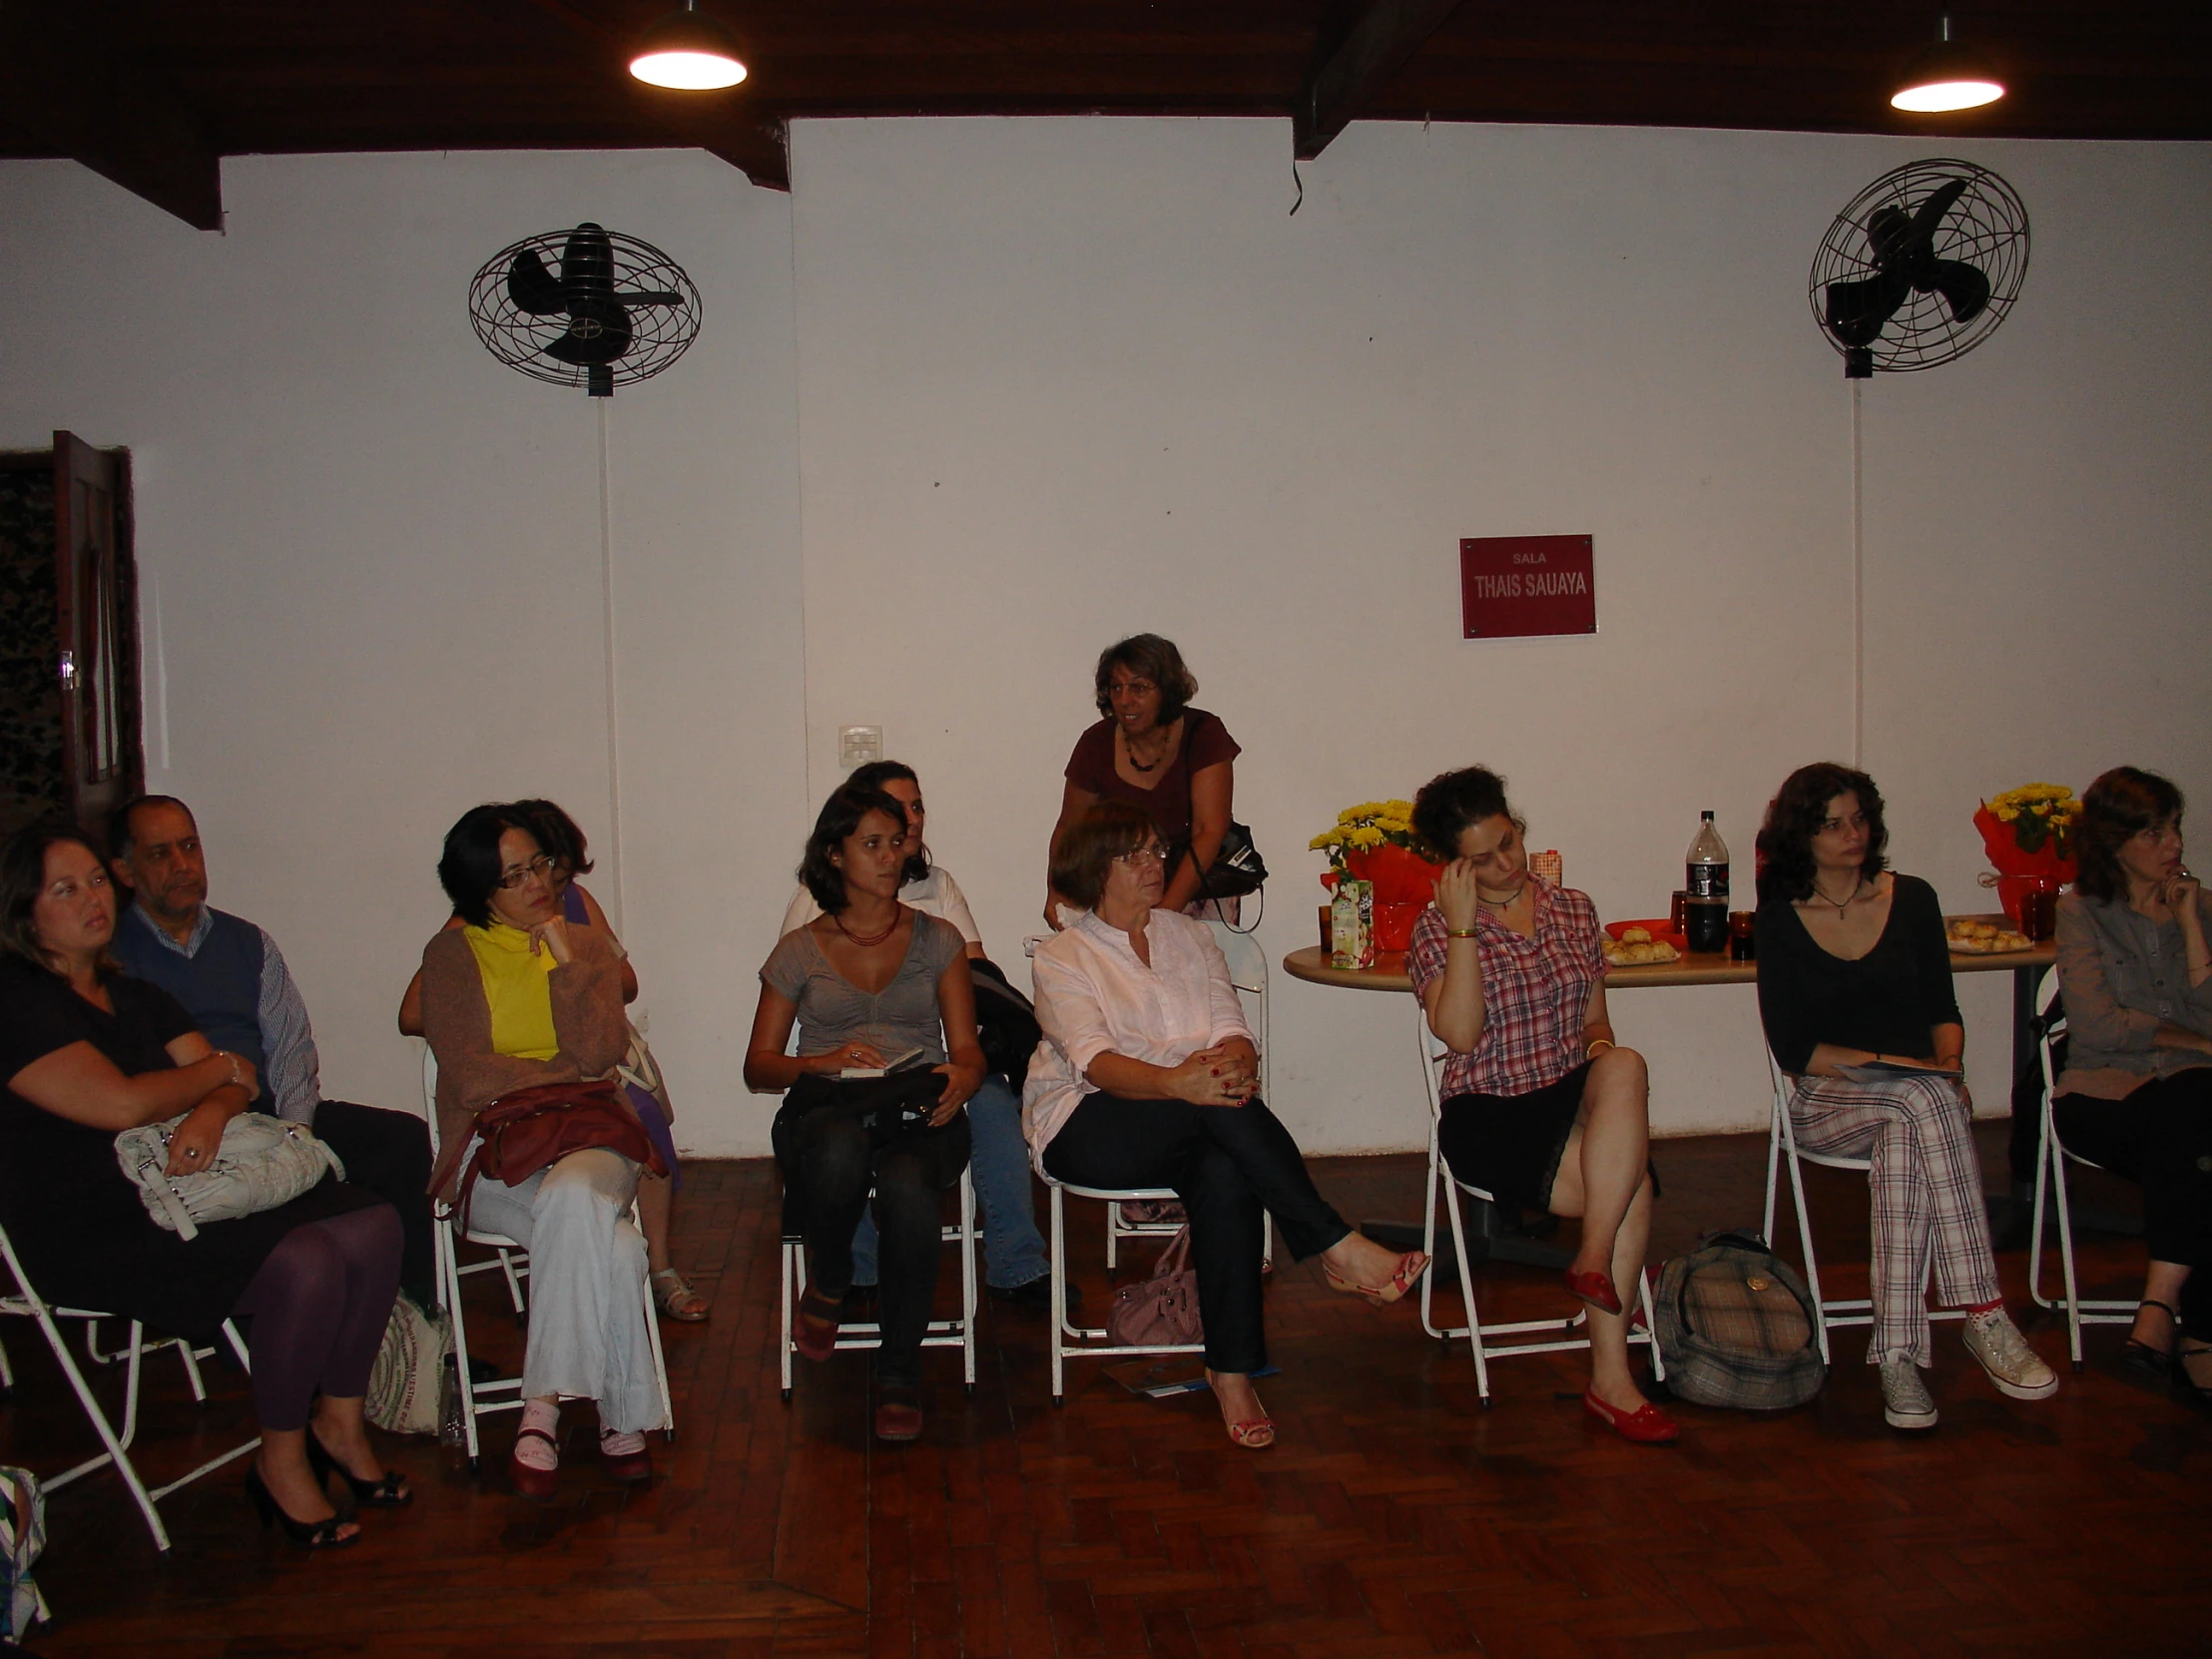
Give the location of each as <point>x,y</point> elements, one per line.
<point>1511,1145</point>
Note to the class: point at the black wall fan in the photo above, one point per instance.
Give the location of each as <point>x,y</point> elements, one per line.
<point>1920,268</point>
<point>589,307</point>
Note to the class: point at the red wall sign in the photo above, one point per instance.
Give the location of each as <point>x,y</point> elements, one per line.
<point>1511,586</point>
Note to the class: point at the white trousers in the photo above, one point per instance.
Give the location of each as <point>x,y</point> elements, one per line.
<point>588,1338</point>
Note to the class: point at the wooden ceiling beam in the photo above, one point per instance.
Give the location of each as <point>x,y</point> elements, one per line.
<point>1391,32</point>
<point>62,82</point>
<point>756,148</point>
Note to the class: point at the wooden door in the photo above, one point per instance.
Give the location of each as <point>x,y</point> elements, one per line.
<point>96,589</point>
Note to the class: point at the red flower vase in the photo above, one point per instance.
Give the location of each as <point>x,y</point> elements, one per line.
<point>2020,872</point>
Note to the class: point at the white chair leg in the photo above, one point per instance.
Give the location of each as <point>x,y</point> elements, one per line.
<point>1467,1290</point>
<point>514,1286</point>
<point>2066,1258</point>
<point>451,1253</point>
<point>1804,1235</point>
<point>1059,1264</point>
<point>968,1281</point>
<point>1651,1326</point>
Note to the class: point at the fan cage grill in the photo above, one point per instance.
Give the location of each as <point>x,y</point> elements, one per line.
<point>1986,228</point>
<point>659,334</point>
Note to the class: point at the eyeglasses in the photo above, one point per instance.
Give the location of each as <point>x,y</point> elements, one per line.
<point>1135,688</point>
<point>1142,856</point>
<point>543,867</point>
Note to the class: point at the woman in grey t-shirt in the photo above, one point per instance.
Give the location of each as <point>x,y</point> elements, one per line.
<point>870,983</point>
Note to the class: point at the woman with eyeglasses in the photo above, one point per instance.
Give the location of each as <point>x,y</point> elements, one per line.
<point>1154,750</point>
<point>1145,1079</point>
<point>870,983</point>
<point>2137,1095</point>
<point>516,996</point>
<point>561,839</point>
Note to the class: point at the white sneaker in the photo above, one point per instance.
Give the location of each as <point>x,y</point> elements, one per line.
<point>1904,1397</point>
<point>1996,1342</point>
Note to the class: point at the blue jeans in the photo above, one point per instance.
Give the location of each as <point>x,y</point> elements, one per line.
<point>998,1161</point>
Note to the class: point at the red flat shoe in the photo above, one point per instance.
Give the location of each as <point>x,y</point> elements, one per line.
<point>1646,1426</point>
<point>538,1485</point>
<point>815,1331</point>
<point>1411,1266</point>
<point>1595,1289</point>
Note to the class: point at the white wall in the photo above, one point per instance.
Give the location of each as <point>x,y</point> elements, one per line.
<point>371,559</point>
<point>1062,380</point>
<point>982,396</point>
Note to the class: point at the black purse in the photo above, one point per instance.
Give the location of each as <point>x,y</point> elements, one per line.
<point>1237,869</point>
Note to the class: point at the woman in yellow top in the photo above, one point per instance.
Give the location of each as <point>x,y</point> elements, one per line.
<point>516,997</point>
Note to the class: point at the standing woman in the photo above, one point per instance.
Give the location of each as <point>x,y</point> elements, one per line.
<point>2136,1094</point>
<point>1156,751</point>
<point>1540,1104</point>
<point>87,1052</point>
<point>1854,969</point>
<point>514,998</point>
<point>868,981</point>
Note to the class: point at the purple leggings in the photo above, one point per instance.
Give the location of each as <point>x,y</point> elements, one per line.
<point>319,1305</point>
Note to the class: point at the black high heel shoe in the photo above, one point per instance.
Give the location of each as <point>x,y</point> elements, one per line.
<point>2158,1361</point>
<point>388,1493</point>
<point>321,1534</point>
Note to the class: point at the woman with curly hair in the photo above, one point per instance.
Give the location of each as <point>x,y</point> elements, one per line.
<point>1156,753</point>
<point>2136,1094</point>
<point>1855,996</point>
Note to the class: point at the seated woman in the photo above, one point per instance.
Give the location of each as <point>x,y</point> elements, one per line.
<point>2136,1094</point>
<point>1013,1252</point>
<point>514,998</point>
<point>1539,1106</point>
<point>1155,752</point>
<point>868,981</point>
<point>1145,1079</point>
<point>1854,971</point>
<point>561,839</point>
<point>88,1052</point>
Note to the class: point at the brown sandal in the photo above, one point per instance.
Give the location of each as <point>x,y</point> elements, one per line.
<point>675,1297</point>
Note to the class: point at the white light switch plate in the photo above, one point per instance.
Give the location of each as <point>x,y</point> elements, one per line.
<point>859,745</point>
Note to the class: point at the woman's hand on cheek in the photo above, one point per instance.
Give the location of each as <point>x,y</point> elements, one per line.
<point>1456,894</point>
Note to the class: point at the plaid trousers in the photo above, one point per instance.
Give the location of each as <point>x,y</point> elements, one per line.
<point>1926,1184</point>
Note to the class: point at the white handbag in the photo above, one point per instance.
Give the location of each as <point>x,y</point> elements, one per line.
<point>262,1162</point>
<point>404,1384</point>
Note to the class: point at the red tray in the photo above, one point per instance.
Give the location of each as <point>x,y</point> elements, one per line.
<point>1659,927</point>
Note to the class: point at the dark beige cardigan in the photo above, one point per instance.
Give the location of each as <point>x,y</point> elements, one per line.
<point>587,1020</point>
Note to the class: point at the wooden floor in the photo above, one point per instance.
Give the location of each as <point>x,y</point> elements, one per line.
<point>1394,1516</point>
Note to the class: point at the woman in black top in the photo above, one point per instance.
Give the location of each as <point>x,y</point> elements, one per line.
<point>1855,994</point>
<point>87,1052</point>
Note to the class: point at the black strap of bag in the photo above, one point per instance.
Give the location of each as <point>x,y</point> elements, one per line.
<point>1237,869</point>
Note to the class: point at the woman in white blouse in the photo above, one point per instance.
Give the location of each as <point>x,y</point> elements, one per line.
<point>1145,1079</point>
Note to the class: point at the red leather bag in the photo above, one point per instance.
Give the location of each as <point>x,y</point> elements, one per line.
<point>535,1128</point>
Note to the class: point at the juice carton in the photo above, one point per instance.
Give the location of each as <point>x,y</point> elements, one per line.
<point>1351,925</point>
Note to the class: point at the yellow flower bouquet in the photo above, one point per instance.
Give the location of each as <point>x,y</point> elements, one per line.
<point>2028,836</point>
<point>1375,841</point>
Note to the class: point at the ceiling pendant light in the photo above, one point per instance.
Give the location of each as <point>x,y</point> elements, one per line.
<point>688,51</point>
<point>1946,77</point>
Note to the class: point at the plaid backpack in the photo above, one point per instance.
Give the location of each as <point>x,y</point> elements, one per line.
<point>1735,1327</point>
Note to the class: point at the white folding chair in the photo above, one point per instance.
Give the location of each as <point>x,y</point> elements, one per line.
<point>27,1301</point>
<point>1783,1148</point>
<point>2051,1159</point>
<point>1085,1342</point>
<point>1248,971</point>
<point>1551,1336</point>
<point>855,1335</point>
<point>450,1232</point>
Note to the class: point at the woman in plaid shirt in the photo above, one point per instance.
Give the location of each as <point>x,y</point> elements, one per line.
<point>1540,1107</point>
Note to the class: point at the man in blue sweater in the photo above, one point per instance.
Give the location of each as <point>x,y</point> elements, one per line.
<point>232,979</point>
